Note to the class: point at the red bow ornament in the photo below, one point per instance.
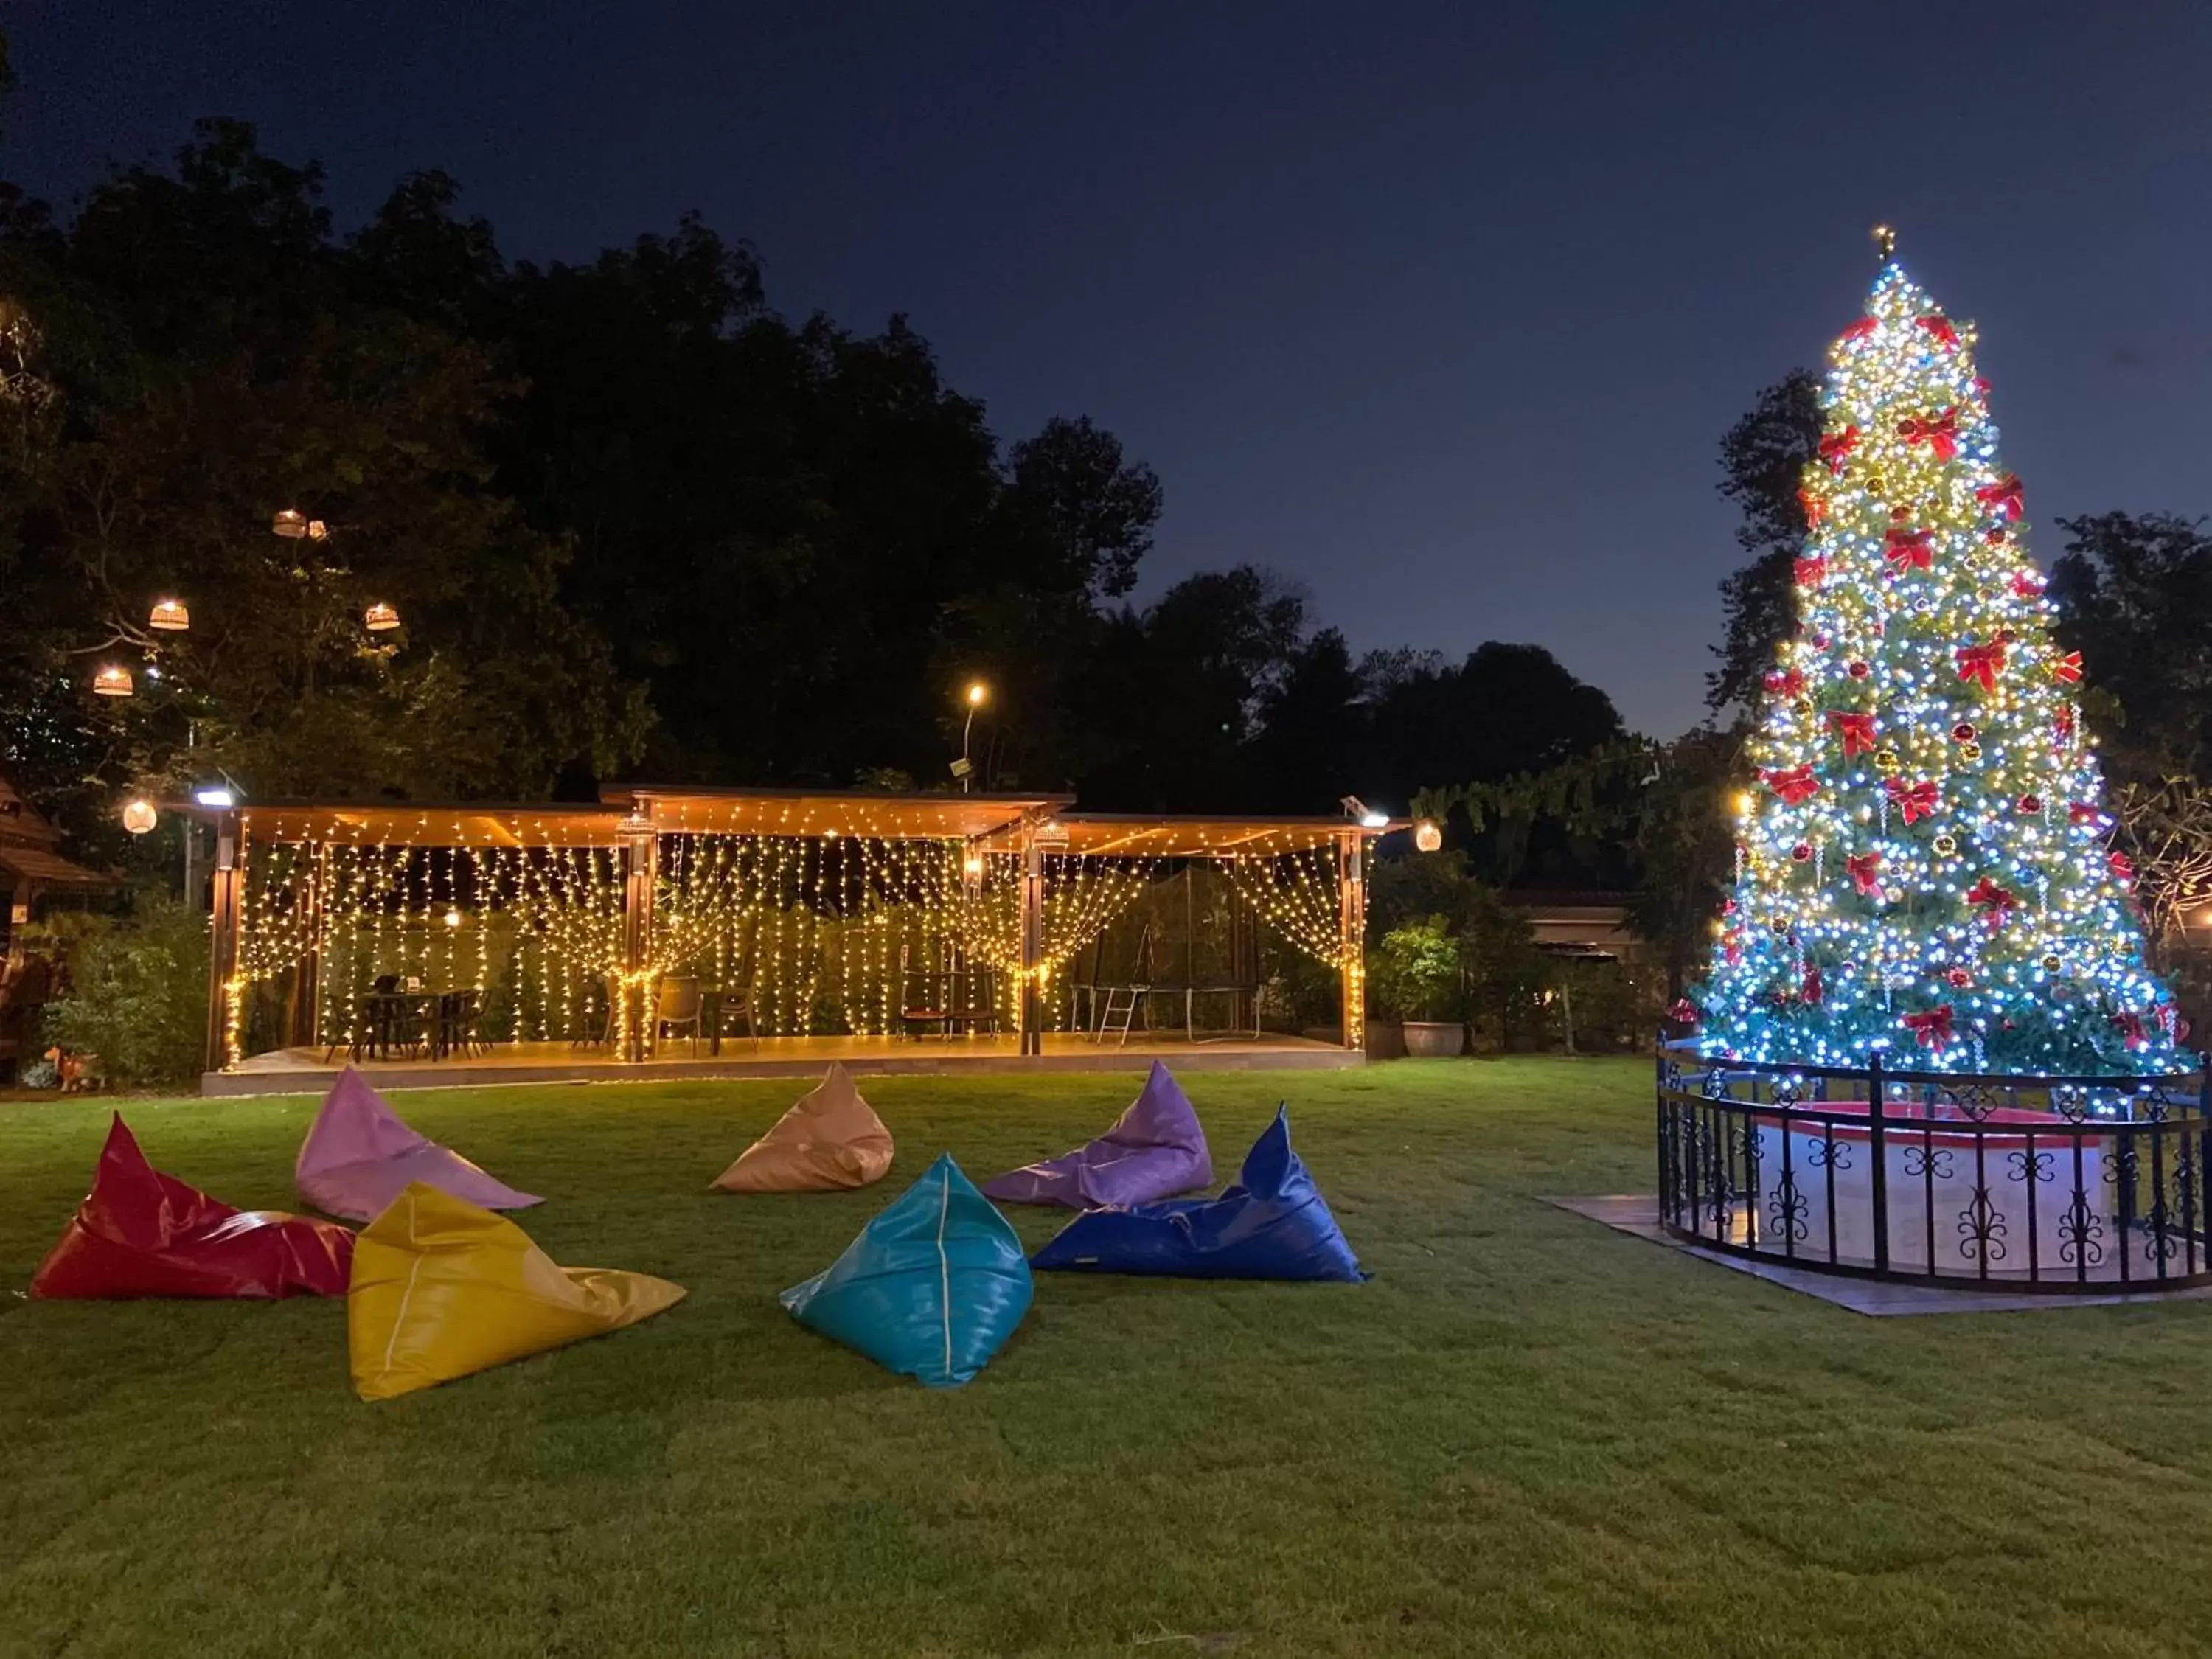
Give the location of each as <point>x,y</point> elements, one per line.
<point>1908,549</point>
<point>1865,871</point>
<point>1785,682</point>
<point>1815,508</point>
<point>1812,991</point>
<point>2130,1027</point>
<point>1980,662</point>
<point>1683,1012</point>
<point>2002,497</point>
<point>1940,330</point>
<point>2026,585</point>
<point>1812,572</point>
<point>1857,731</point>
<point>1859,330</point>
<point>2062,723</point>
<point>2067,669</point>
<point>2121,866</point>
<point>1836,447</point>
<point>1932,1027</point>
<point>2085,812</point>
<point>1995,902</point>
<point>1914,800</point>
<point>1939,432</point>
<point>1794,784</point>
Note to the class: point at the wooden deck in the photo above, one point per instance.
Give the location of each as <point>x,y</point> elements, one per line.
<point>300,1071</point>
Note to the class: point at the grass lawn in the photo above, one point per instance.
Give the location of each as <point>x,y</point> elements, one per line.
<point>1526,1435</point>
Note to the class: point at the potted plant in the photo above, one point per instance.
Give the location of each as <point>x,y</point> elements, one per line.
<point>1416,974</point>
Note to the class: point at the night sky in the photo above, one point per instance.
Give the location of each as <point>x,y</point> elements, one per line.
<point>1439,310</point>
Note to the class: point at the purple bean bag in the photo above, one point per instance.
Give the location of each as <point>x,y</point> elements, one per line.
<point>359,1155</point>
<point>1155,1150</point>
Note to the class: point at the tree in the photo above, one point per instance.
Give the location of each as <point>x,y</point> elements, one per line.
<point>2135,599</point>
<point>2166,829</point>
<point>203,360</point>
<point>1181,686</point>
<point>1680,838</point>
<point>1070,490</point>
<point>1923,865</point>
<point>1764,454</point>
<point>1314,729</point>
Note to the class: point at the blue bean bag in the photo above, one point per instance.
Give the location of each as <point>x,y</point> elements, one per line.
<point>931,1289</point>
<point>1273,1223</point>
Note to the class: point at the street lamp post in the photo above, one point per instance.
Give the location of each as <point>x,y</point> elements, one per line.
<point>978,693</point>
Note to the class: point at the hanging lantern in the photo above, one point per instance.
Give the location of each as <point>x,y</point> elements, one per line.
<point>1427,837</point>
<point>379,618</point>
<point>453,917</point>
<point>111,682</point>
<point>170,617</point>
<point>317,531</point>
<point>139,815</point>
<point>291,523</point>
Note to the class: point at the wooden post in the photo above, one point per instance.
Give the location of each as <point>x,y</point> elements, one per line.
<point>307,979</point>
<point>1032,1006</point>
<point>225,998</point>
<point>641,880</point>
<point>1352,936</point>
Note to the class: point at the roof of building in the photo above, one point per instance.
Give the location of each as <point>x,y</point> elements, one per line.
<point>19,821</point>
<point>40,867</point>
<point>997,821</point>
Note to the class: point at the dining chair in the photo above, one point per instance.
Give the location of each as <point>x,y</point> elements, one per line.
<point>678,1004</point>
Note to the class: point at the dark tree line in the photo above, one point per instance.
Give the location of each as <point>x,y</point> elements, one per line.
<point>634,521</point>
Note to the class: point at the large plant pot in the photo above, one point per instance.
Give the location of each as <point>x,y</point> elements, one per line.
<point>1429,1039</point>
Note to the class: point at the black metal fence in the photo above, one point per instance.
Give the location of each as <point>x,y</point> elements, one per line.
<point>2045,1183</point>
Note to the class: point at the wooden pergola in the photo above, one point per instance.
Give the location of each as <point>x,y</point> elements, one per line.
<point>627,836</point>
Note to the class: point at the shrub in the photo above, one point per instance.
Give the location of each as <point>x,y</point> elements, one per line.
<point>1414,973</point>
<point>137,992</point>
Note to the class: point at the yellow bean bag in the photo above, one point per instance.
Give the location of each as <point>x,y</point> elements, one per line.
<point>829,1141</point>
<point>441,1288</point>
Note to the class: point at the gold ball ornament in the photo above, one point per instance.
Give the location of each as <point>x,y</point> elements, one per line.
<point>1886,762</point>
<point>1970,751</point>
<point>1779,927</point>
<point>2051,964</point>
<point>1945,845</point>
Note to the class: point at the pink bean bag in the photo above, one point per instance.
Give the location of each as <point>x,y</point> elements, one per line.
<point>359,1155</point>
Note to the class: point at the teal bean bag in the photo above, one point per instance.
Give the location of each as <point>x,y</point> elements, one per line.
<point>931,1289</point>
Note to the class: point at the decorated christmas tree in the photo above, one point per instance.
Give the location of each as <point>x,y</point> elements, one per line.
<point>1923,866</point>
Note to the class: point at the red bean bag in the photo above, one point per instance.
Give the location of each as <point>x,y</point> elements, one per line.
<point>140,1232</point>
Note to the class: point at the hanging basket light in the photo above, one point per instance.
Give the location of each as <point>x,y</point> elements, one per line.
<point>1427,837</point>
<point>139,815</point>
<point>112,682</point>
<point>291,523</point>
<point>317,531</point>
<point>379,618</point>
<point>170,617</point>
